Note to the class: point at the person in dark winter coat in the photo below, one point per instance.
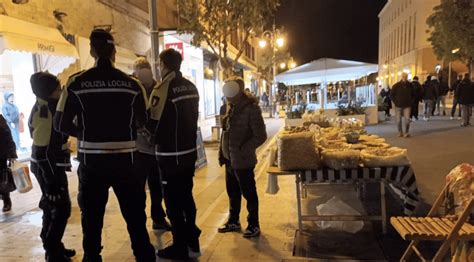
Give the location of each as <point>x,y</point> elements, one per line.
<point>417,89</point>
<point>7,157</point>
<point>454,90</point>
<point>443,92</point>
<point>387,102</point>
<point>429,97</point>
<point>403,96</point>
<point>243,131</point>
<point>466,99</point>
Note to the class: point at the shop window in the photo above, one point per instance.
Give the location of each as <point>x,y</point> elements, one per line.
<point>405,37</point>
<point>409,34</point>
<point>414,31</point>
<point>14,79</point>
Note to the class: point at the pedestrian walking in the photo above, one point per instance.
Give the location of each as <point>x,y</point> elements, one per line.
<point>173,127</point>
<point>466,99</point>
<point>429,97</point>
<point>403,95</point>
<point>243,131</point>
<point>387,102</point>
<point>50,159</point>
<point>7,158</point>
<point>443,93</point>
<point>418,91</point>
<point>454,91</point>
<point>107,151</point>
<point>147,165</point>
<point>437,88</point>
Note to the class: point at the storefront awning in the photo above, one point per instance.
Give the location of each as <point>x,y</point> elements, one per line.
<point>326,70</point>
<point>124,58</point>
<point>19,35</point>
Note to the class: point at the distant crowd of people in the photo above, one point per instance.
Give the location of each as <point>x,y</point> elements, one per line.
<point>406,96</point>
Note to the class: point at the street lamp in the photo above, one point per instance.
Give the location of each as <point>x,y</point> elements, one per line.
<point>275,41</point>
<point>292,64</point>
<point>282,65</point>
<point>280,42</point>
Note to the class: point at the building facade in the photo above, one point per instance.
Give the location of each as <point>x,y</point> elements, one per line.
<point>403,40</point>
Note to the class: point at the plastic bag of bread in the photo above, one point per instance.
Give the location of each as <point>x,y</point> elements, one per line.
<point>380,157</point>
<point>341,158</point>
<point>461,186</point>
<point>298,151</point>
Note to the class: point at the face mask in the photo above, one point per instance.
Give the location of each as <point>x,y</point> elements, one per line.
<point>145,76</point>
<point>230,89</point>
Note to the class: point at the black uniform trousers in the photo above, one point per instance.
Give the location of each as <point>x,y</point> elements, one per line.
<point>94,183</point>
<point>414,109</point>
<point>241,182</point>
<point>55,214</point>
<point>177,182</point>
<point>148,169</point>
<point>3,165</point>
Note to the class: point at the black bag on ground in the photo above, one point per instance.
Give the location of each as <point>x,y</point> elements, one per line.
<point>6,181</point>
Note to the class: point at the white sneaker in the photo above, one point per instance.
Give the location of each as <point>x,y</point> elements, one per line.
<point>451,118</point>
<point>459,118</point>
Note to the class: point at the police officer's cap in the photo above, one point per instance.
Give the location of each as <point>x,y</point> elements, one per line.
<point>100,37</point>
<point>43,84</point>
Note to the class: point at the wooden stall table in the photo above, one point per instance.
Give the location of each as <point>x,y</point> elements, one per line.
<point>402,177</point>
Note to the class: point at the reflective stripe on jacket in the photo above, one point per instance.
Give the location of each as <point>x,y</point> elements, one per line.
<point>103,107</point>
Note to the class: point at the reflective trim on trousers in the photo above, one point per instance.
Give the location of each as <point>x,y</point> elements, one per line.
<point>180,153</point>
<point>107,145</point>
<point>105,151</point>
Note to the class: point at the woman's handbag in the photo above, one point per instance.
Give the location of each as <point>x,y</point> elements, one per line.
<point>21,177</point>
<point>7,184</point>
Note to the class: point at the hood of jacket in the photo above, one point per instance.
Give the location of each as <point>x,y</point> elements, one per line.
<point>6,96</point>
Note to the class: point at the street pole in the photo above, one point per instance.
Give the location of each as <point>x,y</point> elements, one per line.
<point>155,37</point>
<point>449,75</point>
<point>272,88</point>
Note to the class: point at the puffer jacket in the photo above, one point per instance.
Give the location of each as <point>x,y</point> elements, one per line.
<point>243,132</point>
<point>7,146</point>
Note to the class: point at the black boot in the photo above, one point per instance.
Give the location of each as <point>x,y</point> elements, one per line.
<point>177,252</point>
<point>7,203</point>
<point>57,257</point>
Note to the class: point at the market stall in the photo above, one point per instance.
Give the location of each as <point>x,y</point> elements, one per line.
<point>340,152</point>
<point>326,84</point>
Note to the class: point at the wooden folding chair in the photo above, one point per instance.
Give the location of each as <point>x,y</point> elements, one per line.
<point>448,229</point>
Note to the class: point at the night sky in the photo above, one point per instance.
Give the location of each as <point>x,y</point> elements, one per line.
<point>343,29</point>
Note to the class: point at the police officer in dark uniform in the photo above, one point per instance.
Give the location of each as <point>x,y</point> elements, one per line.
<point>103,107</point>
<point>50,159</point>
<point>173,128</point>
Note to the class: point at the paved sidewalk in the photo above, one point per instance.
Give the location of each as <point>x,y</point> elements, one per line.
<point>19,229</point>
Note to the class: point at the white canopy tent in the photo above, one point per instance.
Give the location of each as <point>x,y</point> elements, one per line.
<point>326,70</point>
